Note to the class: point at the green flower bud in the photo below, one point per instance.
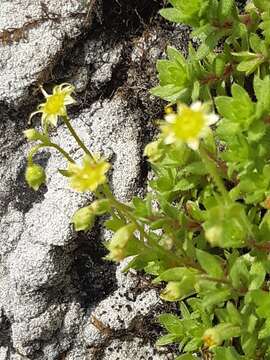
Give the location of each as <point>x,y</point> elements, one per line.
<point>152,151</point>
<point>216,335</point>
<point>35,176</point>
<point>178,290</point>
<point>172,292</point>
<point>83,219</point>
<point>100,207</point>
<point>211,338</point>
<point>214,235</point>
<point>194,211</point>
<point>124,244</point>
<point>32,134</point>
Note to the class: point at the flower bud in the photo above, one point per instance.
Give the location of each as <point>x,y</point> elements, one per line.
<point>172,292</point>
<point>35,176</point>
<point>124,244</point>
<point>83,219</point>
<point>214,235</point>
<point>32,134</point>
<point>194,211</point>
<point>216,335</point>
<point>100,207</point>
<point>211,338</point>
<point>152,151</point>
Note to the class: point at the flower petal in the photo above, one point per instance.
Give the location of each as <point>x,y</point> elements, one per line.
<point>197,106</point>
<point>212,119</point>
<point>193,144</point>
<point>170,118</point>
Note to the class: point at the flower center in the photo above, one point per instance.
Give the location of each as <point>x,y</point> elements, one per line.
<point>188,124</point>
<point>209,341</point>
<point>54,104</point>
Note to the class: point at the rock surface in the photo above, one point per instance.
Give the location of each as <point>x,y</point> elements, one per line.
<point>58,298</point>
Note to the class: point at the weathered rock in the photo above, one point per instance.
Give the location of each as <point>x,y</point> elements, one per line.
<point>34,34</point>
<point>134,349</point>
<point>53,283</point>
<point>37,271</point>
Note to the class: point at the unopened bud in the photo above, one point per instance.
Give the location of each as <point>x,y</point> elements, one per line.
<point>100,207</point>
<point>214,235</point>
<point>35,176</point>
<point>83,219</point>
<point>32,134</point>
<point>152,151</point>
<point>123,243</point>
<point>172,292</point>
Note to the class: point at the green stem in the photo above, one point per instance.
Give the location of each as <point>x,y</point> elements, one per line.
<point>126,211</point>
<point>62,151</point>
<point>35,149</point>
<point>213,171</point>
<point>76,137</point>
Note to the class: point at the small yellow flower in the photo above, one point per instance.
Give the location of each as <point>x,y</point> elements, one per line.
<point>211,340</point>
<point>88,176</point>
<point>55,104</point>
<point>188,125</point>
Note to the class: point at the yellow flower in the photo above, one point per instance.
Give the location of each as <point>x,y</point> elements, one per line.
<point>55,104</point>
<point>188,125</point>
<point>88,176</point>
<point>211,339</point>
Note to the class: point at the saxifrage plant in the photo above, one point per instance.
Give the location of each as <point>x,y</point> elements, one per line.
<point>203,229</point>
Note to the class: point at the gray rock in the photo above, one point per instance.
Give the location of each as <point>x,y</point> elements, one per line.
<point>3,353</point>
<point>34,36</point>
<point>133,349</point>
<point>39,266</point>
<point>53,282</point>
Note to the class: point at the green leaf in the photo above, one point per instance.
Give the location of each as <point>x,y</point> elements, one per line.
<point>249,343</point>
<point>249,66</point>
<point>193,345</point>
<point>114,223</point>
<point>184,310</point>
<point>255,42</point>
<point>173,15</point>
<point>216,297</point>
<point>239,274</point>
<point>224,106</point>
<point>166,340</point>
<point>262,300</point>
<point>225,9</point>
<point>175,55</point>
<point>65,172</point>
<point>172,324</point>
<point>170,92</point>
<point>186,357</point>
<point>265,330</point>
<point>258,274</point>
<point>210,263</point>
<point>226,353</point>
<point>175,274</point>
<point>234,315</point>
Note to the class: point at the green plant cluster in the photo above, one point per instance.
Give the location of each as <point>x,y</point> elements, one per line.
<point>203,229</point>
